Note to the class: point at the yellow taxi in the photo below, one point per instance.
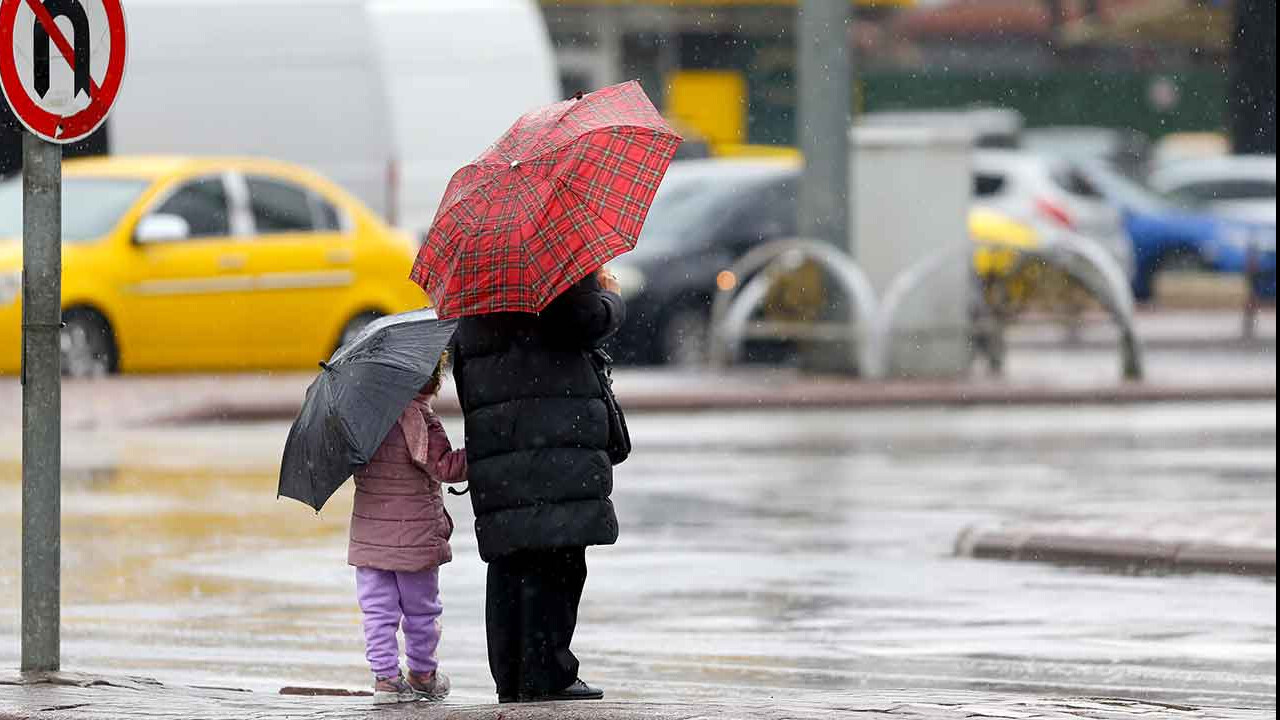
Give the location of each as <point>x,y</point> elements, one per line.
<point>177,263</point>
<point>998,241</point>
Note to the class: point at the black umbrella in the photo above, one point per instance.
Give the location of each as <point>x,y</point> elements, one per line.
<point>357,397</point>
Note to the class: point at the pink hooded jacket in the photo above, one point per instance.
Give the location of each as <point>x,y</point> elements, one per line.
<point>399,521</point>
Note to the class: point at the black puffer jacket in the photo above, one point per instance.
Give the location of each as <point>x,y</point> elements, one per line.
<point>536,424</point>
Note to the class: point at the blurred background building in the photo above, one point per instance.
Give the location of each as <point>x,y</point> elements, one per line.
<point>725,68</point>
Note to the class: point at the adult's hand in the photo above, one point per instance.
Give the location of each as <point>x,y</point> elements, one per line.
<point>587,313</point>
<point>608,281</point>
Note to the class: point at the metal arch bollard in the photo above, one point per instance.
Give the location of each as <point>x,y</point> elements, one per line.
<point>902,287</point>
<point>1065,251</point>
<point>1098,258</point>
<point>1114,293</point>
<point>727,330</point>
<point>731,310</point>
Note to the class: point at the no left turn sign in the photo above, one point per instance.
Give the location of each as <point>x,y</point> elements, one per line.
<point>61,63</point>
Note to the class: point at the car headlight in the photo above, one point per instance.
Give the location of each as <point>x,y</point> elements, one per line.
<point>630,280</point>
<point>1234,237</point>
<point>1264,238</point>
<point>1243,239</point>
<point>10,287</point>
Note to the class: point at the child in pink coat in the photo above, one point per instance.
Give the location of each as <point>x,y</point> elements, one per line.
<point>399,539</point>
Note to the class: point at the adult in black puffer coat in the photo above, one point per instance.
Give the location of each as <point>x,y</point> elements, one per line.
<point>540,477</point>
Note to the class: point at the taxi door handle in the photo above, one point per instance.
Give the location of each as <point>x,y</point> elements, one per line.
<point>338,257</point>
<point>228,263</point>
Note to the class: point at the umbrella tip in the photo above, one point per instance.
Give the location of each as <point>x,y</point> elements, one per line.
<point>577,95</point>
<point>325,366</point>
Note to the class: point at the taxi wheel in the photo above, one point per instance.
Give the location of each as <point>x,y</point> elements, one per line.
<point>1180,260</point>
<point>355,325</point>
<point>88,347</point>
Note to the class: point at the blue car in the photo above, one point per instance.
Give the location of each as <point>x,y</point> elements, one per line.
<point>1167,237</point>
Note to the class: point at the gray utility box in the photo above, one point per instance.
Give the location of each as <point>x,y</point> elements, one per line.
<point>910,192</point>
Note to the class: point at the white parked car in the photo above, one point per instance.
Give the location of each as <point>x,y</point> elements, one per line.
<point>1049,192</point>
<point>1180,147</point>
<point>1241,187</point>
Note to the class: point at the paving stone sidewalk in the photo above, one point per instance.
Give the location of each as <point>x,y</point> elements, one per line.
<point>1237,542</point>
<point>68,696</point>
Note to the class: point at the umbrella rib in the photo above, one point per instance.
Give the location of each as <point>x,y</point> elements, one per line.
<point>461,224</point>
<point>561,184</point>
<point>626,129</point>
<point>471,195</point>
<point>444,209</point>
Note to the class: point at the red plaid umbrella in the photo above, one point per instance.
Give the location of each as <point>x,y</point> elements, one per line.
<point>565,190</point>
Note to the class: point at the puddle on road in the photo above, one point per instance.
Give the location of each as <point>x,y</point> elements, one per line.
<point>128,530</point>
<point>738,573</point>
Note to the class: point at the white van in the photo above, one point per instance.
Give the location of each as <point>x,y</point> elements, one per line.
<point>458,73</point>
<point>386,97</point>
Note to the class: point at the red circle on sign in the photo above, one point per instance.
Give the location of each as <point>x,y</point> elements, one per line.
<point>50,126</point>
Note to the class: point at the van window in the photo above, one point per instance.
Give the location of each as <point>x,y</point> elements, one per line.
<point>203,204</point>
<point>1202,193</point>
<point>1075,183</point>
<point>986,185</point>
<point>770,214</point>
<point>279,207</point>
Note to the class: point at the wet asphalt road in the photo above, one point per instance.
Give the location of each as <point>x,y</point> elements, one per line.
<point>762,554</point>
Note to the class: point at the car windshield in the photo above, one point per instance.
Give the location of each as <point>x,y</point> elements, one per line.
<point>1199,194</point>
<point>687,208</point>
<point>91,207</point>
<point>1123,190</point>
<point>1071,145</point>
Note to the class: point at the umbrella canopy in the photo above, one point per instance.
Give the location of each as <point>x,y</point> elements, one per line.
<point>565,190</point>
<point>351,406</point>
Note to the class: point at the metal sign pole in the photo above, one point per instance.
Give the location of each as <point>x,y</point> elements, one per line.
<point>823,111</point>
<point>825,105</point>
<point>41,403</point>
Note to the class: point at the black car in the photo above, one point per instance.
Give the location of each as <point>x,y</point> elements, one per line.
<point>707,214</point>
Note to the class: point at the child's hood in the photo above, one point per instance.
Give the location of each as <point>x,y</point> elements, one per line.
<point>417,434</point>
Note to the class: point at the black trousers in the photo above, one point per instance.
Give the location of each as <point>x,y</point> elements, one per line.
<point>531,608</point>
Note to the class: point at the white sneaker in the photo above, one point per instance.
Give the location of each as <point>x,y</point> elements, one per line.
<point>392,690</point>
<point>433,687</point>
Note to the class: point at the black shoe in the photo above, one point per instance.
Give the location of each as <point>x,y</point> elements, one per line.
<point>576,691</point>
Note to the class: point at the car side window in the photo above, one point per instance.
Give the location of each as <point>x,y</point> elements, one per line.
<point>1077,184</point>
<point>327,217</point>
<point>770,214</point>
<point>279,207</point>
<point>203,204</point>
<point>987,184</point>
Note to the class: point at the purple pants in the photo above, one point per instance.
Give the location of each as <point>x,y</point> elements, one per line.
<point>389,598</point>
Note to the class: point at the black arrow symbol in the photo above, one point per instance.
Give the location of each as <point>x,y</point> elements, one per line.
<point>73,11</point>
